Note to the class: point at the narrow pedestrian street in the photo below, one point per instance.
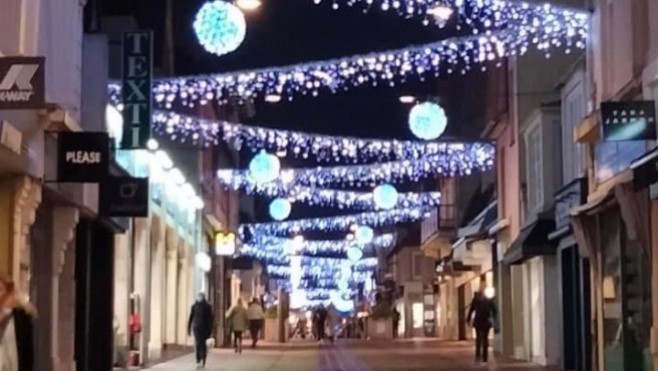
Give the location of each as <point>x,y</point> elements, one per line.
<point>350,355</point>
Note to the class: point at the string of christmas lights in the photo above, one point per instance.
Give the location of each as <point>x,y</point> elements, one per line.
<point>479,15</point>
<point>329,197</point>
<point>314,264</point>
<point>391,67</point>
<point>335,223</point>
<point>324,148</point>
<point>261,243</point>
<point>463,160</point>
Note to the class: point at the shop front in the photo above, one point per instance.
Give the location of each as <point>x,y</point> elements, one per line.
<point>574,281</point>
<point>534,297</point>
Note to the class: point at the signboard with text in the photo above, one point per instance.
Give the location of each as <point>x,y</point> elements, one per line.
<point>124,196</point>
<point>22,83</point>
<point>136,88</point>
<point>625,121</point>
<point>82,157</point>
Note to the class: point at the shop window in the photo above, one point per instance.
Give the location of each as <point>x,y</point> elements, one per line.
<point>534,169</point>
<point>574,110</point>
<point>614,157</point>
<point>626,297</point>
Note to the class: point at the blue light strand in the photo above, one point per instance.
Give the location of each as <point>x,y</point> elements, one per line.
<point>317,266</point>
<point>288,143</point>
<point>335,223</point>
<point>479,15</point>
<point>452,55</point>
<point>461,160</point>
<point>264,243</point>
<point>314,196</point>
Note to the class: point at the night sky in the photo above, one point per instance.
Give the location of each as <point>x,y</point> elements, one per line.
<point>284,32</point>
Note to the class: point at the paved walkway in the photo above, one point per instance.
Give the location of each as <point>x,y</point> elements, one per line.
<point>352,355</point>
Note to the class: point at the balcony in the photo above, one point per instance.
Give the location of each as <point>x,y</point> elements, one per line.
<point>438,230</point>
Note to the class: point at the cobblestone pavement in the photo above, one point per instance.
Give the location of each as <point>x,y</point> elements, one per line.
<point>353,355</point>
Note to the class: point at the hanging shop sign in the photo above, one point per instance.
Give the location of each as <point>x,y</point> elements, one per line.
<point>124,196</point>
<point>645,171</point>
<point>624,121</point>
<point>570,196</point>
<point>136,89</point>
<point>82,157</point>
<point>224,244</point>
<point>22,83</point>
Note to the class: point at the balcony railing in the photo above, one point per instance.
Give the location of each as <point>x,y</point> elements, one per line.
<point>440,219</point>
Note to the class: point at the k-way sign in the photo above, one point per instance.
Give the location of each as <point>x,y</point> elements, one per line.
<point>22,83</point>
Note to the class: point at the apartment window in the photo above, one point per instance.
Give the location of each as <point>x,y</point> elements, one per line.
<point>534,168</point>
<point>417,264</point>
<point>573,111</point>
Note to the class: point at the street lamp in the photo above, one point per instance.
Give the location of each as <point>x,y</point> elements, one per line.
<point>407,99</point>
<point>248,4</point>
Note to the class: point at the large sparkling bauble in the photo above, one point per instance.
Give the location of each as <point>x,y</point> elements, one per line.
<point>385,196</point>
<point>427,120</point>
<point>280,209</point>
<point>264,167</point>
<point>364,234</point>
<point>354,254</point>
<point>220,27</point>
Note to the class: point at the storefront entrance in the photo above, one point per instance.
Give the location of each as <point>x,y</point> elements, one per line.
<point>576,312</point>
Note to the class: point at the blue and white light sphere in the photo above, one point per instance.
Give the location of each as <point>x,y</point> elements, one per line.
<point>280,209</point>
<point>220,27</point>
<point>427,120</point>
<point>354,254</point>
<point>364,234</point>
<point>385,196</point>
<point>264,167</point>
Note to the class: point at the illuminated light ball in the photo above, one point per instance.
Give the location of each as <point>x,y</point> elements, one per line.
<point>427,120</point>
<point>298,299</point>
<point>364,234</point>
<point>385,196</point>
<point>343,285</point>
<point>354,254</point>
<point>220,27</point>
<point>342,305</point>
<point>264,167</point>
<point>280,209</point>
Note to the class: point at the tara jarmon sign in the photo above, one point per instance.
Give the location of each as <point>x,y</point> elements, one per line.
<point>22,83</point>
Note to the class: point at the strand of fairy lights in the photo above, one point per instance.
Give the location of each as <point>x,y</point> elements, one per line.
<point>479,15</point>
<point>330,197</point>
<point>460,160</point>
<point>324,148</point>
<point>312,247</point>
<point>335,223</point>
<point>457,54</point>
<point>316,266</point>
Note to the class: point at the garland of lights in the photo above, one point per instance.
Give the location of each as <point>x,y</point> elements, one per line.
<point>319,271</point>
<point>313,264</point>
<point>324,148</point>
<point>335,223</point>
<point>463,160</point>
<point>480,15</point>
<point>311,285</point>
<point>457,54</point>
<point>310,247</point>
<point>327,197</point>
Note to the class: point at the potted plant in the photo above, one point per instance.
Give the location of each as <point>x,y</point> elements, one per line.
<point>380,323</point>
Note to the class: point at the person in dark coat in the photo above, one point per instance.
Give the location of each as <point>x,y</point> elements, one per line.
<point>482,316</point>
<point>16,329</point>
<point>200,324</point>
<point>320,319</point>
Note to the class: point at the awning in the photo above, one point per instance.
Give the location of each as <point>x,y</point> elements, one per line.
<point>480,224</point>
<point>531,242</point>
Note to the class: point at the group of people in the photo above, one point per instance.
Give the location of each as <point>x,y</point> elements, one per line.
<point>239,319</point>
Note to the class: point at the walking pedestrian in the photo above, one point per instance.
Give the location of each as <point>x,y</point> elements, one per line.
<point>482,316</point>
<point>200,324</point>
<point>256,317</point>
<point>320,321</point>
<point>396,322</point>
<point>16,329</point>
<point>239,321</point>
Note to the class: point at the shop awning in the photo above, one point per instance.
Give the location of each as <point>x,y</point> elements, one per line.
<point>480,224</point>
<point>531,242</point>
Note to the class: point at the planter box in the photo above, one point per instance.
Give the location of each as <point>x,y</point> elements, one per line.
<point>380,328</point>
<point>271,330</point>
